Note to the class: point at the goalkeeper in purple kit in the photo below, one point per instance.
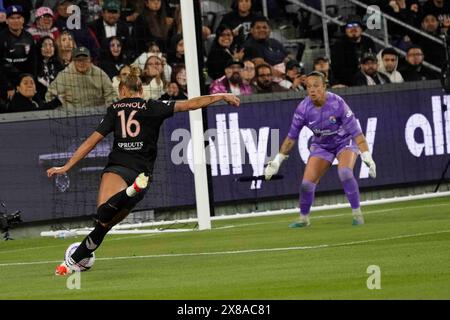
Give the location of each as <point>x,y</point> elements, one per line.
<point>337,134</point>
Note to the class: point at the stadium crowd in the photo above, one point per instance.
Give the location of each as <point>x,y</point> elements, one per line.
<point>49,59</point>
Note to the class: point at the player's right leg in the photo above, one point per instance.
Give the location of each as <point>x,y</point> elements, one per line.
<point>315,169</point>
<point>115,201</point>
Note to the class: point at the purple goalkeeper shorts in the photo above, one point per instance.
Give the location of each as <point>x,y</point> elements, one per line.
<point>330,152</point>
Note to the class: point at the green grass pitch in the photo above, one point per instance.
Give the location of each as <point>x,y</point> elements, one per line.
<point>253,258</point>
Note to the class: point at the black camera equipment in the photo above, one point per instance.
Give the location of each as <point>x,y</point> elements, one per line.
<point>8,220</point>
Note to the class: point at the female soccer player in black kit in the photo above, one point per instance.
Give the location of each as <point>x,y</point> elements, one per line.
<point>135,123</point>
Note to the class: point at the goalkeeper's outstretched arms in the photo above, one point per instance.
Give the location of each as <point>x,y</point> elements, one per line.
<point>274,165</point>
<point>366,156</point>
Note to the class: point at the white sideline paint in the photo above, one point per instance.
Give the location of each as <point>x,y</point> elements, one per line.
<point>258,214</point>
<point>263,250</point>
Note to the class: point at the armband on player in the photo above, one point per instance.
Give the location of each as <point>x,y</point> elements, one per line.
<point>274,165</point>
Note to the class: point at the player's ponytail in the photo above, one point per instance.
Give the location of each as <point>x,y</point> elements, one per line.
<point>132,83</point>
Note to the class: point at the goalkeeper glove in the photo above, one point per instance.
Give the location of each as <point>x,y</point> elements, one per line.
<point>366,157</point>
<point>274,165</point>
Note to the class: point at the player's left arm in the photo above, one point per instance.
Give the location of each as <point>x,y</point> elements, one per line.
<point>204,101</point>
<point>81,152</point>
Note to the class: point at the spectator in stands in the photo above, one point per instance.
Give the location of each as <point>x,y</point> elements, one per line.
<point>43,25</point>
<point>231,82</point>
<point>413,68</point>
<point>388,63</point>
<point>26,5</point>
<point>264,81</point>
<point>17,51</point>
<point>82,34</point>
<point>82,84</point>
<point>112,57</point>
<point>406,11</point>
<point>175,52</point>
<point>153,79</point>
<point>27,99</point>
<point>48,65</point>
<point>65,44</point>
<point>131,9</point>
<point>295,76</point>
<point>346,52</point>
<point>322,64</point>
<point>173,92</point>
<point>433,51</point>
<point>153,49</point>
<point>248,72</point>
<point>368,74</point>
<point>259,44</point>
<point>179,76</point>
<point>240,19</point>
<point>439,8</point>
<point>109,25</point>
<point>154,24</point>
<point>124,72</point>
<point>222,50</point>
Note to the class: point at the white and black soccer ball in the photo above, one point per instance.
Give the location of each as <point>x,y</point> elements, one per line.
<point>84,264</point>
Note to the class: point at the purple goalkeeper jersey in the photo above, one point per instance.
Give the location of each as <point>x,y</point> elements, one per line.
<point>332,124</point>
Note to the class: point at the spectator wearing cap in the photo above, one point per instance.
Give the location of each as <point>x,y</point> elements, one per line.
<point>259,44</point>
<point>439,8</point>
<point>240,19</point>
<point>231,82</point>
<point>27,99</point>
<point>109,25</point>
<point>264,80</point>
<point>322,64</point>
<point>17,51</point>
<point>27,7</point>
<point>222,50</point>
<point>434,52</point>
<point>413,68</point>
<point>295,76</point>
<point>43,25</point>
<point>82,84</point>
<point>83,35</point>
<point>368,74</point>
<point>346,52</point>
<point>388,64</point>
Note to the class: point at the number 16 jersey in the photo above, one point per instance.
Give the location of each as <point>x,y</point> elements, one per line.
<point>136,124</point>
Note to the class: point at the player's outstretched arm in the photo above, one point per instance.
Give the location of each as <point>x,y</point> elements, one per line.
<point>366,156</point>
<point>204,101</point>
<point>81,152</point>
<point>274,165</point>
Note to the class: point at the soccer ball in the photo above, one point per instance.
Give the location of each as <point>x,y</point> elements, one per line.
<point>84,264</point>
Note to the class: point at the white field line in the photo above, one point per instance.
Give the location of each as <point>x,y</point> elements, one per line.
<point>249,224</point>
<point>171,255</point>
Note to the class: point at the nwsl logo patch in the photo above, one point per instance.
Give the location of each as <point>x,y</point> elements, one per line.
<point>332,119</point>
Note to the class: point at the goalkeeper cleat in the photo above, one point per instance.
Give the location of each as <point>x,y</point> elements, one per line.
<point>358,220</point>
<point>62,270</point>
<point>304,222</point>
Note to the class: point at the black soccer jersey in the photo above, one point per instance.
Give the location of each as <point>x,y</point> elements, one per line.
<point>135,123</point>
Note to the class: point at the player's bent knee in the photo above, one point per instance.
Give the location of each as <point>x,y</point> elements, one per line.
<point>307,186</point>
<point>345,174</point>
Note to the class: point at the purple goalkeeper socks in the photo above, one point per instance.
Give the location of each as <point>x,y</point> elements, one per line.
<point>350,186</point>
<point>307,191</point>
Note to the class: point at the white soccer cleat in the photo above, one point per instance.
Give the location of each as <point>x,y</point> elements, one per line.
<point>138,185</point>
<point>302,223</point>
<point>358,218</point>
